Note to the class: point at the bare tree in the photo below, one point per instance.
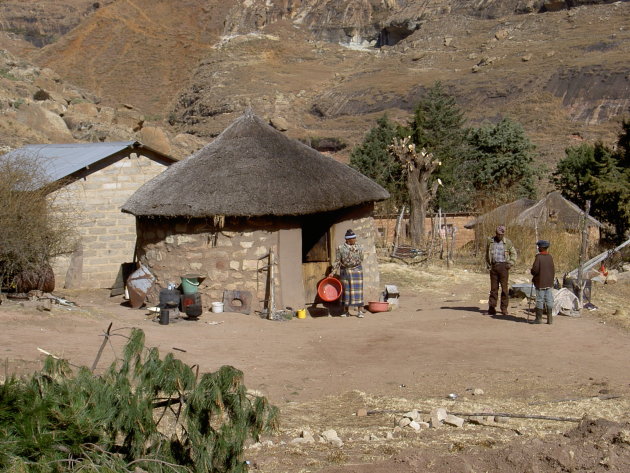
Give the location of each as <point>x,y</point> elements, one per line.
<point>34,228</point>
<point>418,169</point>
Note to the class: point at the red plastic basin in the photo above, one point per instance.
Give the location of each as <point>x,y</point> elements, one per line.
<point>378,306</point>
<point>329,289</point>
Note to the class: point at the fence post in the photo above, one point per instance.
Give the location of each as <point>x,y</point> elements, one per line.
<point>583,249</point>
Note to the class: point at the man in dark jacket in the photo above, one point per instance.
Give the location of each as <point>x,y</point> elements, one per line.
<point>543,272</point>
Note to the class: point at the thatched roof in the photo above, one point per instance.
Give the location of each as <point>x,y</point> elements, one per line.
<point>551,210</point>
<point>251,169</point>
<point>555,210</point>
<point>503,214</point>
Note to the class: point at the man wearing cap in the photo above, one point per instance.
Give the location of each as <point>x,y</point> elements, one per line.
<point>543,272</point>
<point>500,257</point>
<point>348,263</point>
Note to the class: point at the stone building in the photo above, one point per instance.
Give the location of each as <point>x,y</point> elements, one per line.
<point>251,192</point>
<point>92,181</point>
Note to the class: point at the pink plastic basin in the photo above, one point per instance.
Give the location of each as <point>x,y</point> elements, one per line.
<point>329,289</point>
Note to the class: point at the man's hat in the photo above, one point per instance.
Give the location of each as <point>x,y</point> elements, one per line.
<point>350,235</point>
<point>501,230</point>
<point>542,244</point>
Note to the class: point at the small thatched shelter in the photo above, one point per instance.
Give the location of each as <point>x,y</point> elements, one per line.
<point>553,212</point>
<point>503,215</point>
<point>252,190</point>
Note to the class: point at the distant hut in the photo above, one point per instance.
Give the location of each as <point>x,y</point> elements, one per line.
<point>557,212</point>
<point>505,214</point>
<point>252,190</point>
<point>553,212</point>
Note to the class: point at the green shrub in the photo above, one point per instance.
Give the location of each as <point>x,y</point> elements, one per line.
<point>144,411</point>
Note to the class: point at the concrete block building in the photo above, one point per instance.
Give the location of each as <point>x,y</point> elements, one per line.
<point>91,181</point>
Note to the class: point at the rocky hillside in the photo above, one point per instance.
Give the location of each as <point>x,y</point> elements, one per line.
<point>38,106</point>
<point>563,74</point>
<point>325,70</point>
<point>42,22</point>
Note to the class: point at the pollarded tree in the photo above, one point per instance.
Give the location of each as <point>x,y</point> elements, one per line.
<point>418,166</point>
<point>500,162</point>
<point>372,159</point>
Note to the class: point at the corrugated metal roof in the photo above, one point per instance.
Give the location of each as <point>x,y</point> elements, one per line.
<point>61,160</point>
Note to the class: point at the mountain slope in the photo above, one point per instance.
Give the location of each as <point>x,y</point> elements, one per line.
<point>326,69</point>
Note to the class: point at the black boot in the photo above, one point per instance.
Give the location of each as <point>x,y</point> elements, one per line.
<point>549,316</point>
<point>539,313</point>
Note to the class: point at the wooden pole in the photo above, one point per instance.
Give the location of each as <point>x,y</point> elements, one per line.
<point>482,414</point>
<point>100,350</point>
<point>397,230</point>
<point>447,237</point>
<point>272,301</point>
<point>583,249</point>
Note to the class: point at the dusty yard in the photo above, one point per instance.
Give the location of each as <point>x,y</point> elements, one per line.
<point>321,370</point>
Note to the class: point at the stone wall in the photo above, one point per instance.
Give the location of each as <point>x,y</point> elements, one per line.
<point>229,258</point>
<point>106,236</point>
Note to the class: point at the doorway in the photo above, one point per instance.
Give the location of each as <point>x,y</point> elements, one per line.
<point>316,253</point>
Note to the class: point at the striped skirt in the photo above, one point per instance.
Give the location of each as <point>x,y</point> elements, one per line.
<point>352,280</point>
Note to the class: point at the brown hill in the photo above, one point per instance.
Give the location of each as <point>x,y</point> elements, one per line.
<point>37,106</point>
<point>325,70</point>
<point>138,52</point>
<point>563,75</point>
<point>41,22</point>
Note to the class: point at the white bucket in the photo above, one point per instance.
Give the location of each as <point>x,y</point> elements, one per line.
<point>217,307</point>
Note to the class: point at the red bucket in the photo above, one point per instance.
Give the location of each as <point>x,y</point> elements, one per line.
<point>329,289</point>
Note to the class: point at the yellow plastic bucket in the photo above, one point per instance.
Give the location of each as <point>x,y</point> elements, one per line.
<point>301,313</point>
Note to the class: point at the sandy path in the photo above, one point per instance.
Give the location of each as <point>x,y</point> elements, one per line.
<point>433,345</point>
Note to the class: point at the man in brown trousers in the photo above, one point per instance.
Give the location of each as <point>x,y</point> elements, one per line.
<point>543,272</point>
<point>500,257</point>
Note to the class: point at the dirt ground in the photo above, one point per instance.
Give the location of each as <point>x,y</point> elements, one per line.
<point>319,371</point>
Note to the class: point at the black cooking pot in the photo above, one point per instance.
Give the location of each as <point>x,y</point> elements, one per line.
<point>169,298</point>
<point>193,310</point>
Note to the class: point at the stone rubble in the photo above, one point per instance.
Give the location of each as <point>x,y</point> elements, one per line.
<point>331,437</point>
<point>416,421</point>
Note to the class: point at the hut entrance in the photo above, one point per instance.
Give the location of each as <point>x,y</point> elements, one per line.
<point>315,254</point>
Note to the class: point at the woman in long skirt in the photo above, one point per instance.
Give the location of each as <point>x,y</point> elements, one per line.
<point>349,259</point>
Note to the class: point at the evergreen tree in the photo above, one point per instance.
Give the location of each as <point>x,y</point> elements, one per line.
<point>143,413</point>
<point>372,159</point>
<point>500,162</point>
<point>601,175</point>
<point>573,173</point>
<point>438,127</point>
<point>623,146</point>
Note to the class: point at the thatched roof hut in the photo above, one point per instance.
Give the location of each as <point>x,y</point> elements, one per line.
<point>504,214</point>
<point>252,192</point>
<point>551,213</point>
<point>253,170</point>
<point>555,210</point>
